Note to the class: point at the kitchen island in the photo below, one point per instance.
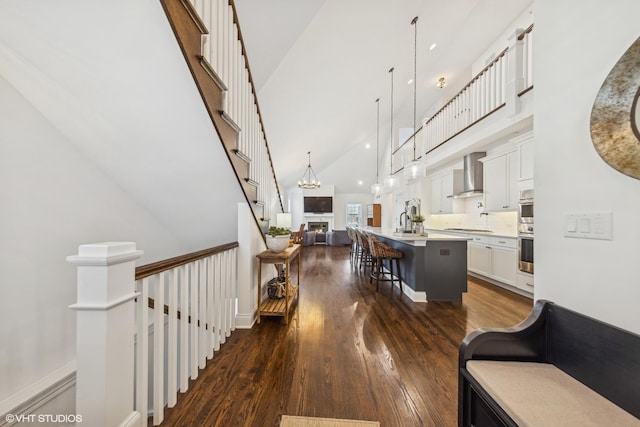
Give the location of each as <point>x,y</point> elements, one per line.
<point>434,267</point>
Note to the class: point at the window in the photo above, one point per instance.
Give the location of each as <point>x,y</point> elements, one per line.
<point>354,214</point>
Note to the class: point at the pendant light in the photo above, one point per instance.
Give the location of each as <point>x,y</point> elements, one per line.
<point>415,169</point>
<point>376,189</point>
<point>309,179</point>
<point>391,182</point>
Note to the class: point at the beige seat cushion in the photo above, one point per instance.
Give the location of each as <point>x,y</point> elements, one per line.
<point>539,394</point>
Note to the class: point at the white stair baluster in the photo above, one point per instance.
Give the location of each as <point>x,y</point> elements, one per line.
<point>172,339</point>
<point>158,349</point>
<point>210,307</point>
<point>217,301</point>
<point>193,326</point>
<point>184,328</point>
<point>202,314</point>
<point>142,348</point>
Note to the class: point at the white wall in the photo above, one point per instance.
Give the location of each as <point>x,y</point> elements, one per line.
<point>340,207</point>
<point>295,196</point>
<point>52,201</point>
<point>577,43</point>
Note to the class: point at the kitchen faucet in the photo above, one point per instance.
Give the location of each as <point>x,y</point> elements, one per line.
<point>407,219</point>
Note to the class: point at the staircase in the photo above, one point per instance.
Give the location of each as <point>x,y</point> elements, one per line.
<point>211,41</point>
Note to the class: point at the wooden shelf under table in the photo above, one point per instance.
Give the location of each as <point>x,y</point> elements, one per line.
<point>279,307</point>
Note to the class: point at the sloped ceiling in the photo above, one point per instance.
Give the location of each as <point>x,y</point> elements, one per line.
<point>128,103</point>
<point>319,66</point>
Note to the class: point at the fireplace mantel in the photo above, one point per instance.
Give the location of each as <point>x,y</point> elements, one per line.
<point>311,218</point>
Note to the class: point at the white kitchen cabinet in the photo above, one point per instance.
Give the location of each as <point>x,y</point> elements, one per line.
<point>525,159</point>
<point>443,188</point>
<point>501,182</point>
<point>504,260</point>
<point>524,281</point>
<point>493,257</point>
<point>479,255</point>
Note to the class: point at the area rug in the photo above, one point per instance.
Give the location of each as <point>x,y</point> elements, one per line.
<point>293,421</point>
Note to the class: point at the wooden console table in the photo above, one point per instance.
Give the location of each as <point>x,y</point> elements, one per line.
<point>278,307</point>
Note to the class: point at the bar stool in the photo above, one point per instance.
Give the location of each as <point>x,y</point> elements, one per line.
<point>364,253</point>
<point>381,251</point>
<point>354,249</point>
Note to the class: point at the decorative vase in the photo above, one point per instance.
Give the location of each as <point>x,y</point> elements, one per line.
<point>278,243</point>
<point>418,227</point>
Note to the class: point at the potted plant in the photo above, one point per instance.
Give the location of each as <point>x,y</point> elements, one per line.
<point>278,238</point>
<point>417,218</point>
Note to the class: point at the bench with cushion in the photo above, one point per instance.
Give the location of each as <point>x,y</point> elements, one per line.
<point>309,238</point>
<point>556,368</point>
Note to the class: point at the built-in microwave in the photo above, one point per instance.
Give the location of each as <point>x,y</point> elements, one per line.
<point>525,211</point>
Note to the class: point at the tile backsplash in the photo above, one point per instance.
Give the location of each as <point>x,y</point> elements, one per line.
<point>474,217</point>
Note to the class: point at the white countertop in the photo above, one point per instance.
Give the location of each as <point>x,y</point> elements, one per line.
<point>474,233</point>
<point>415,239</point>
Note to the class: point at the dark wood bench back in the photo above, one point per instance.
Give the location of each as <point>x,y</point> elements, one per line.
<point>601,356</point>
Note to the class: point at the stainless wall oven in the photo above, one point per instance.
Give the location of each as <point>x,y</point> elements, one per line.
<point>525,231</point>
<point>525,253</point>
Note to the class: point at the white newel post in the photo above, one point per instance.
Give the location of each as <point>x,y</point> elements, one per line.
<point>515,74</point>
<point>105,333</point>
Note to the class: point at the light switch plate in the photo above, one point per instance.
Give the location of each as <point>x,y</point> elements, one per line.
<point>590,225</point>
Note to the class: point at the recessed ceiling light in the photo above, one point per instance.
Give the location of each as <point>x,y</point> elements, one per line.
<point>360,182</point>
<point>433,46</point>
<point>410,81</point>
<point>367,146</point>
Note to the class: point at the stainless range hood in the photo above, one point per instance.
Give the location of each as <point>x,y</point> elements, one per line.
<point>472,175</point>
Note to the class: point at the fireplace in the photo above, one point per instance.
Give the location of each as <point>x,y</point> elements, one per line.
<point>318,227</point>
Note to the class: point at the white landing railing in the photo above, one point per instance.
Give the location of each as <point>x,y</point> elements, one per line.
<point>191,302</point>
<point>526,37</point>
<point>498,85</point>
<point>179,310</point>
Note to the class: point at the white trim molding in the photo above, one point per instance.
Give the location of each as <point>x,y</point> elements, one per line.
<point>28,400</point>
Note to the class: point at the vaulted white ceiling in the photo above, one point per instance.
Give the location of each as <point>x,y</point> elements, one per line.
<point>319,66</point>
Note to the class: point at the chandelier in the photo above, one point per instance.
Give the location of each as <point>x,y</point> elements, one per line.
<point>309,179</point>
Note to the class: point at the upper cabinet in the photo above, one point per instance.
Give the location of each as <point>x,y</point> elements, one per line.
<point>443,187</point>
<point>374,215</point>
<point>525,159</point>
<point>501,173</point>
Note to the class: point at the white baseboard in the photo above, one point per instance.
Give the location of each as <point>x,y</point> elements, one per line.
<point>502,285</point>
<point>44,391</point>
<point>246,321</point>
<point>415,296</point>
<point>133,420</point>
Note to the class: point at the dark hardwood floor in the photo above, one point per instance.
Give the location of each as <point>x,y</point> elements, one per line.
<point>348,352</point>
